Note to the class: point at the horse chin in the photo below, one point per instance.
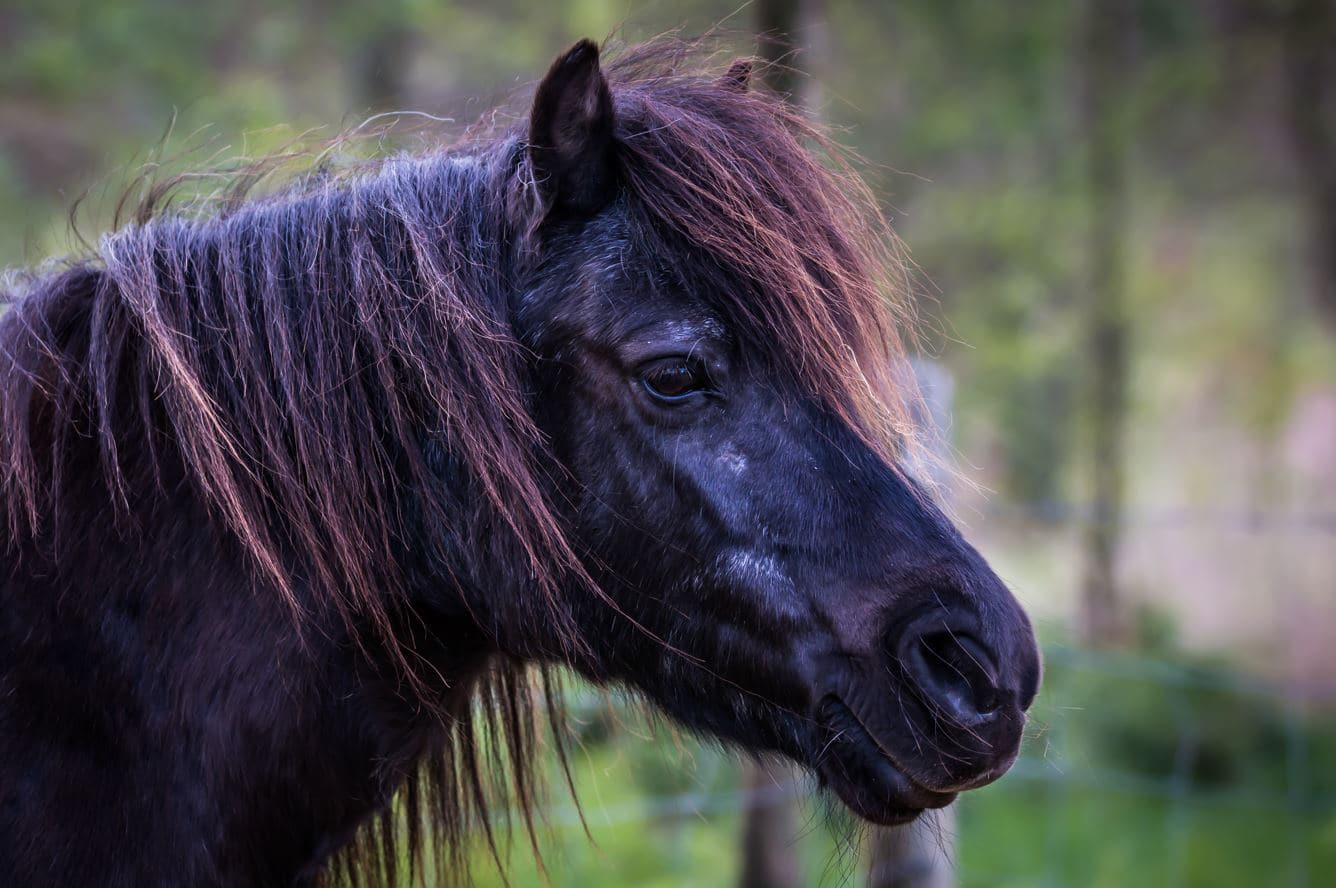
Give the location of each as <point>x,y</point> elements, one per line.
<point>864,776</point>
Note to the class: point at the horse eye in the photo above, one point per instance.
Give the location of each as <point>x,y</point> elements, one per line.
<point>673,380</point>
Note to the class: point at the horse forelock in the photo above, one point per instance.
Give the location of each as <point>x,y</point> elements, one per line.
<point>766,194</point>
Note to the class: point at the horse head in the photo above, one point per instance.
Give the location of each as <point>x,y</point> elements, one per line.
<point>764,569</point>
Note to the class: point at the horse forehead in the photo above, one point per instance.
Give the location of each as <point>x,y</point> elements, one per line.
<point>624,305</point>
<point>682,324</point>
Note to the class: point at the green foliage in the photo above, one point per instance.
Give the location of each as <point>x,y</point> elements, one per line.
<point>1172,770</point>
<point>966,114</point>
<point>1163,769</point>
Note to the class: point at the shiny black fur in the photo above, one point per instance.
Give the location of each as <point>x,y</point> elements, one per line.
<point>300,495</point>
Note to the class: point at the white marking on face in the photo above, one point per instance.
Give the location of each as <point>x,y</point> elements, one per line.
<point>749,566</point>
<point>731,460</point>
<point>685,331</point>
<point>765,575</point>
<point>714,328</point>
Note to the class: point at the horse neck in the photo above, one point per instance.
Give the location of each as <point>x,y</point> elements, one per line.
<point>252,748</point>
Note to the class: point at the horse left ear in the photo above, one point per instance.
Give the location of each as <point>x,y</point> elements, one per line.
<point>570,133</point>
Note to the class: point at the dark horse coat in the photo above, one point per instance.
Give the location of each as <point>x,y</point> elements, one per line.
<point>306,497</point>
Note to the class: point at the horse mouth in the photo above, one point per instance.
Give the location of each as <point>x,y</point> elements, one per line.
<point>864,775</point>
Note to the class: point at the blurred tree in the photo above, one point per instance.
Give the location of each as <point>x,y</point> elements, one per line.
<point>1108,66</point>
<point>776,28</point>
<point>384,52</point>
<point>769,855</point>
<point>966,119</point>
<point>769,830</point>
<point>791,39</point>
<point>967,114</point>
<point>922,854</point>
<point>1309,43</point>
<point>918,855</point>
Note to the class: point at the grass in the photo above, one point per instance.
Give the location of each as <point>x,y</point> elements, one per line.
<point>1167,772</point>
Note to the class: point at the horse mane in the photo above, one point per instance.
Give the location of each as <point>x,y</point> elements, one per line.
<point>310,355</point>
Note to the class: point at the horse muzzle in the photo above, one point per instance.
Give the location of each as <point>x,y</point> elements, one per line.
<point>937,709</point>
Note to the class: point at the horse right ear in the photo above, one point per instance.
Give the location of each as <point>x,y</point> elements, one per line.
<point>570,133</point>
<point>738,76</point>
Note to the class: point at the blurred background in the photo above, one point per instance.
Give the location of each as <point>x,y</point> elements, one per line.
<point>1122,215</point>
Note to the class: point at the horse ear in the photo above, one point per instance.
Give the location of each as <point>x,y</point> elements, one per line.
<point>570,133</point>
<point>738,76</point>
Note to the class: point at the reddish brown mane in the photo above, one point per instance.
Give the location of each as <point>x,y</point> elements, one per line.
<point>296,351</point>
<point>764,191</point>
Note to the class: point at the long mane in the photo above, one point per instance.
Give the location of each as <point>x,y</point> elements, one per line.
<point>309,358</point>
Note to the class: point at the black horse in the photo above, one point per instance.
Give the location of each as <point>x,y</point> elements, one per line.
<point>308,497</point>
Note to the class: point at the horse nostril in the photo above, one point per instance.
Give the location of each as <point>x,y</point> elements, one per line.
<point>956,672</point>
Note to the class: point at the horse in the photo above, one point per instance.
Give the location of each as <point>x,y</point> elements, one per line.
<point>313,497</point>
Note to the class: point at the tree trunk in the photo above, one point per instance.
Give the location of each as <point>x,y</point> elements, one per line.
<point>381,63</point>
<point>769,856</point>
<point>1309,40</point>
<point>776,29</point>
<point>791,36</point>
<point>1107,69</point>
<point>922,854</point>
<point>919,855</point>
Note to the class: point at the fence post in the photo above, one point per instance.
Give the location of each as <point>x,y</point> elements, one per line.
<point>922,854</point>
<point>769,857</point>
<point>919,855</point>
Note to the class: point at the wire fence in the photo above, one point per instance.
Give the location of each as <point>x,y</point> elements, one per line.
<point>1254,520</point>
<point>1163,767</point>
<point>1151,766</point>
<point>1059,762</point>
